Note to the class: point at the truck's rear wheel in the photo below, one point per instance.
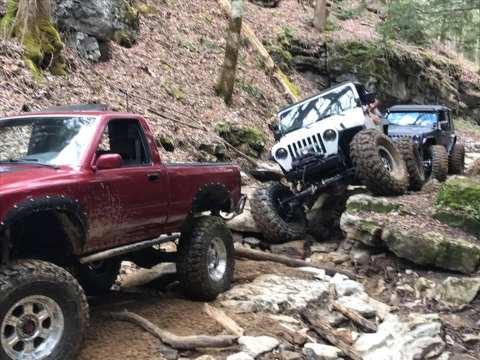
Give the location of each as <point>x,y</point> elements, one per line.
<point>414,163</point>
<point>206,259</point>
<point>43,312</point>
<point>278,225</point>
<point>456,161</point>
<point>437,162</point>
<point>378,163</point>
<point>98,277</point>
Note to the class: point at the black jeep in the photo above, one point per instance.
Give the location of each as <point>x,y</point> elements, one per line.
<point>431,129</point>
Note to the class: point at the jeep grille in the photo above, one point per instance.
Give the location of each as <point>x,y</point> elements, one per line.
<point>314,143</point>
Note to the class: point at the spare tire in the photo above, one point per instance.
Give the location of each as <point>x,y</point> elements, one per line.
<point>277,225</point>
<point>414,163</point>
<point>378,163</point>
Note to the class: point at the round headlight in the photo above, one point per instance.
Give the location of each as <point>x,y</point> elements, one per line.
<point>329,135</point>
<point>281,153</point>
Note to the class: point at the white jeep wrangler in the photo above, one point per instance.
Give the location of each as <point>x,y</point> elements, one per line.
<point>324,141</point>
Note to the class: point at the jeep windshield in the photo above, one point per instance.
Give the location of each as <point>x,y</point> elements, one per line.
<point>43,140</point>
<point>408,118</point>
<point>333,102</point>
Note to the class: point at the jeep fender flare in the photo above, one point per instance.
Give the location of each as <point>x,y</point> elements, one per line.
<point>71,215</point>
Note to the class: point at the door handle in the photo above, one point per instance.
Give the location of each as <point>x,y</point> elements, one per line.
<point>153,176</point>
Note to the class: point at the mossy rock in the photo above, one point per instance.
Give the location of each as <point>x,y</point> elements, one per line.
<point>166,142</point>
<point>248,139</point>
<point>458,204</point>
<point>433,249</point>
<point>361,229</point>
<point>363,202</point>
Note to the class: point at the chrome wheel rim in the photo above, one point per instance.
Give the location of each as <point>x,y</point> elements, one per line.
<point>217,259</point>
<point>32,328</point>
<point>387,159</point>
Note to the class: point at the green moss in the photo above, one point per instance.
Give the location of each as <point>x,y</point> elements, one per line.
<point>124,38</point>
<point>145,9</point>
<point>166,142</point>
<point>291,86</point>
<point>130,13</point>
<point>363,203</point>
<point>250,140</point>
<point>8,20</point>
<point>34,69</point>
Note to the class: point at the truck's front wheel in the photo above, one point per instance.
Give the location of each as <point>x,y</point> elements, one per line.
<point>378,163</point>
<point>437,162</point>
<point>456,161</point>
<point>414,162</point>
<point>43,312</point>
<point>206,259</point>
<point>278,223</point>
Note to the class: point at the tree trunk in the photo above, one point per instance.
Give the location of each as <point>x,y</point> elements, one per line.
<point>320,15</point>
<point>227,79</point>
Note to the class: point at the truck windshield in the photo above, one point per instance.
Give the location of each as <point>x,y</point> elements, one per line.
<point>301,115</point>
<point>424,119</point>
<point>45,140</point>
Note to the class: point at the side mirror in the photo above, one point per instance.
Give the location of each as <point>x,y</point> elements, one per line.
<point>109,161</point>
<point>276,132</point>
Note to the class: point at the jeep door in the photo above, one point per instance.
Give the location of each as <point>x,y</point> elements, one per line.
<point>139,188</point>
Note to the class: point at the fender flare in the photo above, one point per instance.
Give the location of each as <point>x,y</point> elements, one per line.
<point>72,216</point>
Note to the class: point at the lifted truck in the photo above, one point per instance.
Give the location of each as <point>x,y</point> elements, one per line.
<point>431,129</point>
<point>80,192</point>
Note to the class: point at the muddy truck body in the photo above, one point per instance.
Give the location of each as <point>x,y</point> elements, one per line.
<point>82,191</point>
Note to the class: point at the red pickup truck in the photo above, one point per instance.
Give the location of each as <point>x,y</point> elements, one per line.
<point>80,191</point>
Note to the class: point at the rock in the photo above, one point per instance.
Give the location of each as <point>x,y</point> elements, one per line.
<point>332,318</point>
<point>3,7</point>
<point>268,171</point>
<point>458,204</point>
<point>205,357</point>
<point>435,249</point>
<point>87,46</point>
<point>417,337</point>
<point>324,247</point>
<point>166,142</point>
<point>431,186</point>
<point>458,291</point>
<point>106,20</point>
<point>244,222</point>
<point>267,3</point>
<point>290,355</point>
<point>364,202</point>
<point>366,231</point>
<point>345,286</point>
<point>257,345</point>
<point>293,249</point>
<point>333,257</point>
<point>359,305</point>
<point>274,294</point>
<point>240,356</point>
<point>316,351</point>
<point>249,140</point>
<point>360,255</point>
<point>474,168</point>
<point>471,338</point>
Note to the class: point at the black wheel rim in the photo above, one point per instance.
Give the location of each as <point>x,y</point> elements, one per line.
<point>427,163</point>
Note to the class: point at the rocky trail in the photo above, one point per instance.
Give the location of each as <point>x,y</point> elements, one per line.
<point>414,297</point>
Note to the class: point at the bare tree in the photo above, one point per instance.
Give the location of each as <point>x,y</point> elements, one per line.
<point>320,15</point>
<point>227,79</point>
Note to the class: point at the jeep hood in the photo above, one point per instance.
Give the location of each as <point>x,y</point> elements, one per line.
<point>24,176</point>
<point>409,130</point>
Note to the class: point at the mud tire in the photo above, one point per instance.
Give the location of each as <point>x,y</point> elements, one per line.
<point>439,158</point>
<point>414,163</point>
<point>456,161</point>
<point>266,214</point>
<point>25,278</point>
<point>98,278</point>
<point>369,167</point>
<point>193,258</point>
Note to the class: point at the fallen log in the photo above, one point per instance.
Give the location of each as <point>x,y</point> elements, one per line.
<point>264,256</point>
<point>328,333</point>
<point>223,319</point>
<point>355,317</point>
<point>175,341</point>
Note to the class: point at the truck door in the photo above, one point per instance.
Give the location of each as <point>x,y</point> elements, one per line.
<point>139,189</point>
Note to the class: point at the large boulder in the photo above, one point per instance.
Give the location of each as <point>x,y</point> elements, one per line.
<point>434,249</point>
<point>102,20</point>
<point>417,337</point>
<point>458,204</point>
<point>458,291</point>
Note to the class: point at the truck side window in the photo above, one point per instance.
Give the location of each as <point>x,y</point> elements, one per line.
<point>125,137</point>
